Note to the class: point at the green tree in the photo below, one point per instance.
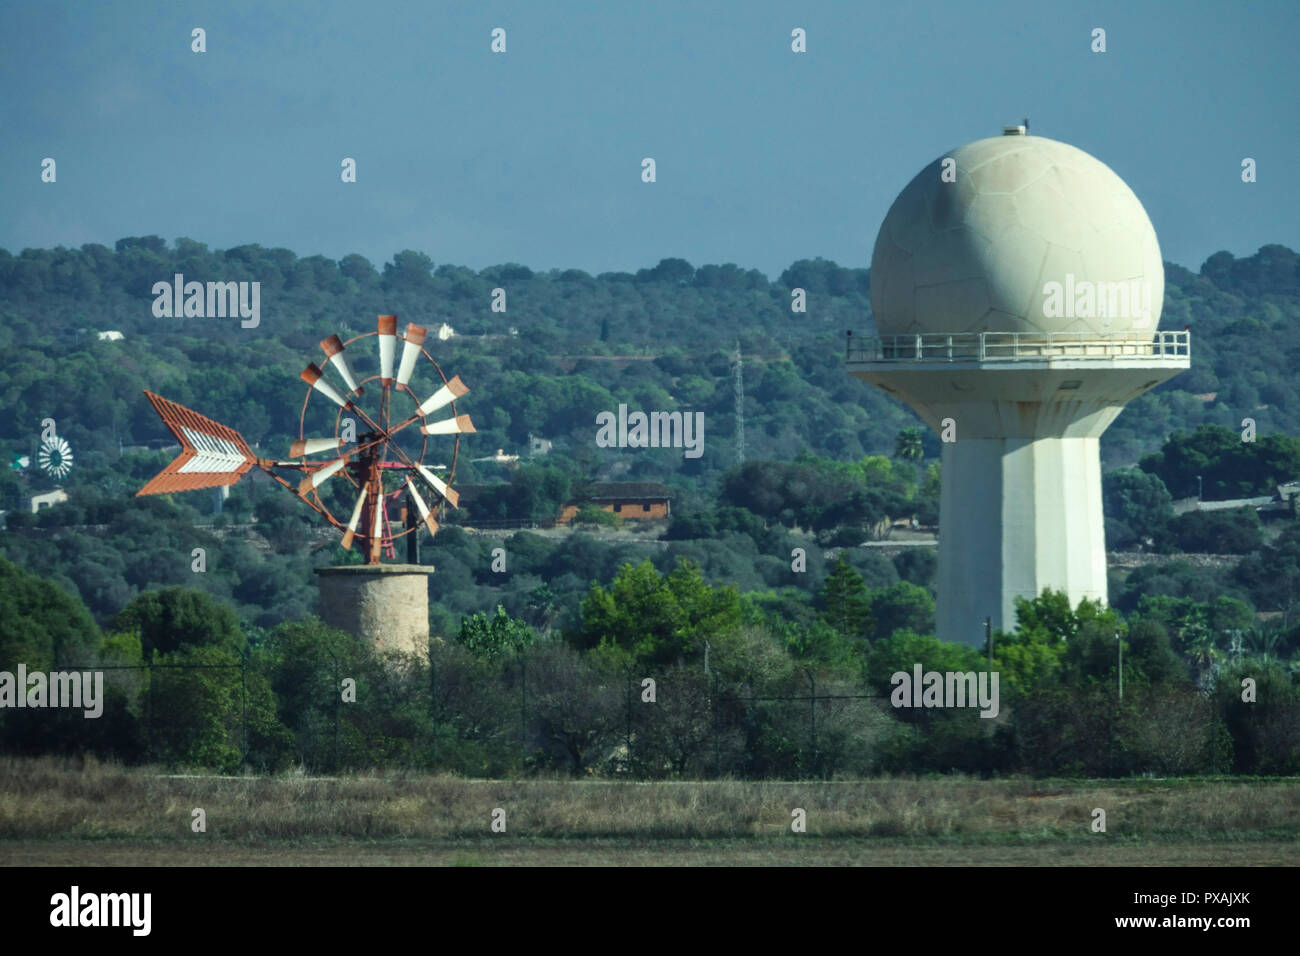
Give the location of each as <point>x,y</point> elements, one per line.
<point>657,618</point>
<point>1048,615</point>
<point>496,636</point>
<point>41,624</point>
<point>1053,640</point>
<point>409,270</point>
<point>1027,660</point>
<point>843,600</point>
<point>1091,655</point>
<point>173,618</point>
<point>598,516</point>
<point>1139,502</point>
<point>542,606</point>
<point>1149,651</point>
<point>904,649</point>
<point>1228,467</point>
<point>1218,532</point>
<point>902,605</point>
<point>197,712</point>
<point>578,705</point>
<point>1265,730</point>
<point>306,662</point>
<point>908,445</point>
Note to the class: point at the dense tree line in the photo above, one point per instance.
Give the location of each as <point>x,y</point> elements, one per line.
<point>553,377</point>
<point>745,529</point>
<point>665,675</point>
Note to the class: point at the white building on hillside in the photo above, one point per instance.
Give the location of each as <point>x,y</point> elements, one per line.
<point>48,499</point>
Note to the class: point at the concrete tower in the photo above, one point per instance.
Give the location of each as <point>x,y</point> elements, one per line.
<point>1017,284</point>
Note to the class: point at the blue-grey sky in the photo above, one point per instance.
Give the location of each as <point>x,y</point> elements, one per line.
<point>763,156</point>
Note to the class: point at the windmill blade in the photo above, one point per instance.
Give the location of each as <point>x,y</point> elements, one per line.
<point>318,478</point>
<point>377,532</point>
<point>333,348</point>
<point>444,396</point>
<point>387,346</point>
<point>411,344</point>
<point>449,495</point>
<point>314,446</point>
<point>460,425</point>
<point>354,520</point>
<point>421,507</point>
<point>314,377</point>
<point>212,455</point>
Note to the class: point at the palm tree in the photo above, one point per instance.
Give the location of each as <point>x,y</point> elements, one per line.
<point>907,446</point>
<point>542,608</point>
<point>1264,641</point>
<point>1202,654</point>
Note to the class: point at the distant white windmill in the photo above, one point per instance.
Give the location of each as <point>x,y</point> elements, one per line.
<point>501,458</point>
<point>55,457</point>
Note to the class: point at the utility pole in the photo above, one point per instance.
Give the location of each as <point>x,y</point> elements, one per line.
<point>1120,646</point>
<point>739,387</point>
<point>988,639</point>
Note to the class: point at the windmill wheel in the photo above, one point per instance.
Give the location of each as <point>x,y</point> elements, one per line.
<point>55,457</point>
<point>382,428</point>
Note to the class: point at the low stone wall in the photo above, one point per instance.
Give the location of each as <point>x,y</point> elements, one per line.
<point>1136,559</point>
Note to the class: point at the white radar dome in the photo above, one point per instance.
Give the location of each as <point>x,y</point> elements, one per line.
<point>1033,236</point>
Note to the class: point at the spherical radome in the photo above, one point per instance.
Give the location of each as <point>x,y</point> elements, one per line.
<point>1034,236</point>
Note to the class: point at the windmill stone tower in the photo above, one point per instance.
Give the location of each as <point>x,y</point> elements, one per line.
<point>1016,284</point>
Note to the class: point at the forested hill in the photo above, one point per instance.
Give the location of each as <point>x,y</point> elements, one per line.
<point>659,339</point>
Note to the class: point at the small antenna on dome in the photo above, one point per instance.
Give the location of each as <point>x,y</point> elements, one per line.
<point>1026,125</point>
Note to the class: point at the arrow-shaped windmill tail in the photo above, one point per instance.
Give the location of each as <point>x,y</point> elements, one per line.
<point>212,455</point>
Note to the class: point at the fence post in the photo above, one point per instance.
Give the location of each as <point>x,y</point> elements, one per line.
<point>338,699</point>
<point>523,706</point>
<point>717,739</point>
<point>812,701</point>
<point>433,706</point>
<point>628,737</point>
<point>243,687</point>
<point>148,715</point>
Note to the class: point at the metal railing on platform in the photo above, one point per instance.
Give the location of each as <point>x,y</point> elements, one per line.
<point>1017,346</point>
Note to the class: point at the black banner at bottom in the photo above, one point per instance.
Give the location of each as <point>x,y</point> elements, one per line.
<point>340,905</point>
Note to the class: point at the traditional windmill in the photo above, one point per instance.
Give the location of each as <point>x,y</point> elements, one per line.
<point>378,451</point>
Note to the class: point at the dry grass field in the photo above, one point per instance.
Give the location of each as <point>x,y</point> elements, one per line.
<point>81,813</point>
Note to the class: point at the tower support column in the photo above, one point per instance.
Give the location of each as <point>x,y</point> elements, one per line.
<point>1017,515</point>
